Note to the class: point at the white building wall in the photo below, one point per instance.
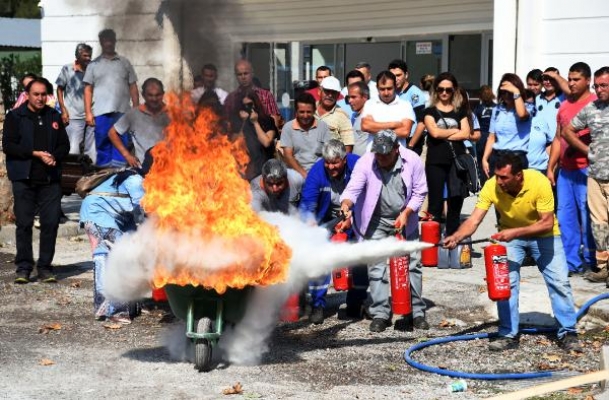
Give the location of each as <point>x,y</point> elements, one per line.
<point>558,33</point>
<point>142,25</point>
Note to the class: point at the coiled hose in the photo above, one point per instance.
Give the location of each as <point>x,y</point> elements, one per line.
<point>470,375</point>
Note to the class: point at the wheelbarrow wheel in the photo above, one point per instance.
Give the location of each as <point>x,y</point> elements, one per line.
<point>203,346</point>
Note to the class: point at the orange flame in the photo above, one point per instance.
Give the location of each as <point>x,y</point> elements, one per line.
<point>195,192</point>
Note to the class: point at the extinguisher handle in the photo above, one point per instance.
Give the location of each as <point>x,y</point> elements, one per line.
<point>330,225</point>
<point>469,242</point>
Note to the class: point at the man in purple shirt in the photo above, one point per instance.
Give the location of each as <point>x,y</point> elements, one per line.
<point>386,191</point>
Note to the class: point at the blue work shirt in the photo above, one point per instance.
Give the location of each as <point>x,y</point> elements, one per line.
<point>316,197</point>
<point>104,210</point>
<point>416,98</point>
<point>541,137</point>
<point>511,133</point>
<point>548,109</point>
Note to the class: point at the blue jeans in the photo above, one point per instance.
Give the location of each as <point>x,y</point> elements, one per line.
<point>574,218</point>
<point>549,256</point>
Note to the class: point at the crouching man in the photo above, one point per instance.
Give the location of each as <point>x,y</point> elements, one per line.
<point>386,191</point>
<point>525,203</point>
<point>320,203</point>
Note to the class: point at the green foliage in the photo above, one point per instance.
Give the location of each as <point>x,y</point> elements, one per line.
<point>19,9</point>
<point>11,70</point>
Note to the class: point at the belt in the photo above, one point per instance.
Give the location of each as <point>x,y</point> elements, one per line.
<point>108,194</point>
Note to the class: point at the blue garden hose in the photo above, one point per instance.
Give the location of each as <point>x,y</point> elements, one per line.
<point>469,375</point>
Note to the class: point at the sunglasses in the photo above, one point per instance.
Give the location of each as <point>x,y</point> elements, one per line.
<point>448,90</point>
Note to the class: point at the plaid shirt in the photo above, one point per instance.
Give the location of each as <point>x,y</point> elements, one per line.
<point>266,98</point>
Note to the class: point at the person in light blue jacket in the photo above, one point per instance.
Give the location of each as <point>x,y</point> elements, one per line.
<point>320,204</point>
<point>106,213</point>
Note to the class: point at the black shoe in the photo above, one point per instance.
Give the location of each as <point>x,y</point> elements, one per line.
<point>379,324</point>
<point>22,277</point>
<point>317,316</point>
<point>420,323</point>
<point>576,273</point>
<point>46,276</point>
<point>570,343</point>
<point>503,343</point>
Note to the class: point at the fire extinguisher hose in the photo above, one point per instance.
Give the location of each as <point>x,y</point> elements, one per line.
<point>488,376</point>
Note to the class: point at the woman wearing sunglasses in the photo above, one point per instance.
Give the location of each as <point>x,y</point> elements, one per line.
<point>510,127</point>
<point>447,123</point>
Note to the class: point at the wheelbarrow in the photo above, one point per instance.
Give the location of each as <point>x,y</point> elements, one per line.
<point>199,307</point>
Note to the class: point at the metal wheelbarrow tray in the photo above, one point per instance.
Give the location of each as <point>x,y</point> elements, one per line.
<point>199,306</point>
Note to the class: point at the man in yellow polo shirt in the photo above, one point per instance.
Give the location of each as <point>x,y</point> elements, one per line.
<point>525,203</point>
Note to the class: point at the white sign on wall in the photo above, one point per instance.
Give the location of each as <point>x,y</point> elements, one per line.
<point>423,48</point>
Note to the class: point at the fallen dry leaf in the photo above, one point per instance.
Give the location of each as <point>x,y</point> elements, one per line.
<point>482,289</point>
<point>446,324</point>
<point>544,342</point>
<point>46,328</point>
<point>46,362</point>
<point>235,389</point>
<point>575,390</point>
<point>76,284</point>
<point>543,366</point>
<point>552,357</point>
<point>597,345</point>
<point>110,325</point>
<point>589,397</point>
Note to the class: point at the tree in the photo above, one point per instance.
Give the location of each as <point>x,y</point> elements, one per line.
<point>11,71</point>
<point>19,9</point>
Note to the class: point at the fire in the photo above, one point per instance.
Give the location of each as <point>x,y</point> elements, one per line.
<point>195,194</point>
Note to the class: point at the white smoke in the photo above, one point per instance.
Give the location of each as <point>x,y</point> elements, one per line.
<point>131,264</point>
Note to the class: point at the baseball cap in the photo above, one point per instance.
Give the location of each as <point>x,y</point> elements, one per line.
<point>331,83</point>
<point>384,141</point>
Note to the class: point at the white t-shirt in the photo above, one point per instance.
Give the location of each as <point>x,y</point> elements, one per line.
<point>397,110</point>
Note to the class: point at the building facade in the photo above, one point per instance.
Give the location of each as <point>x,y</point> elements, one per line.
<point>477,40</point>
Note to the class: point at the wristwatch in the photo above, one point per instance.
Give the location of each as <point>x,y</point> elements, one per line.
<point>516,96</point>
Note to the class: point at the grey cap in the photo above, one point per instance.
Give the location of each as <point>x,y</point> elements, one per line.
<point>384,141</point>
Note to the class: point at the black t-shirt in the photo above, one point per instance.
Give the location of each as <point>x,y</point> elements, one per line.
<point>257,152</point>
<point>438,150</point>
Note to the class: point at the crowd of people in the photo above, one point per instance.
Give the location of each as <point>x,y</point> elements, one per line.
<point>382,153</point>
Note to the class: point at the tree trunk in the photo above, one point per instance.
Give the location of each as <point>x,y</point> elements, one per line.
<point>6,191</point>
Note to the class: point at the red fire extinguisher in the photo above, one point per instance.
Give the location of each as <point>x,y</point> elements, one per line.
<point>497,272</point>
<point>341,277</point>
<point>430,233</point>
<point>291,308</point>
<point>401,302</point>
<point>159,294</point>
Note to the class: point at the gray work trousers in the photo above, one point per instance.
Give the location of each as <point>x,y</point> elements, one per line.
<point>378,277</point>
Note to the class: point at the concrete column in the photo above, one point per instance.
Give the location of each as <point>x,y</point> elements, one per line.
<point>504,38</point>
<point>530,37</point>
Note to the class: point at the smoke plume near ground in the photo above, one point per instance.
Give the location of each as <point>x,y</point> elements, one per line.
<point>133,259</point>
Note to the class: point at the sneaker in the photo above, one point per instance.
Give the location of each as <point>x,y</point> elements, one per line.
<point>379,324</point>
<point>317,316</point>
<point>420,323</point>
<point>600,276</point>
<point>46,276</point>
<point>120,318</point>
<point>503,343</point>
<point>570,343</point>
<point>22,277</point>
